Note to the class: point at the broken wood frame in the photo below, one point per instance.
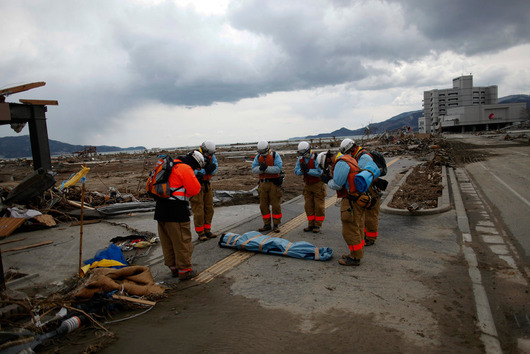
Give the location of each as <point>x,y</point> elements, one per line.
<point>35,117</point>
<point>32,112</point>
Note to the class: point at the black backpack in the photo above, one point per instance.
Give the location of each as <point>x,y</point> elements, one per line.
<point>378,158</point>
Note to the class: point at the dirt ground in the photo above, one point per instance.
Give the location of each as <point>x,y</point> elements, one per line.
<point>121,177</point>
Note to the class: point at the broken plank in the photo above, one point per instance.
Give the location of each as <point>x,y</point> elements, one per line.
<point>132,299</point>
<point>9,225</point>
<point>71,202</point>
<point>85,222</point>
<point>40,102</point>
<point>20,88</point>
<point>38,244</point>
<point>15,240</point>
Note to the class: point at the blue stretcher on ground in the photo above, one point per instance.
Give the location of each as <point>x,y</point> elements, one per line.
<point>256,242</point>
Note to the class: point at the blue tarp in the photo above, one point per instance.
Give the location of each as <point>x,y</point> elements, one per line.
<point>111,257</point>
<point>255,242</point>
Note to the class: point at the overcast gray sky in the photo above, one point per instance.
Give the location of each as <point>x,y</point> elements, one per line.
<point>175,73</point>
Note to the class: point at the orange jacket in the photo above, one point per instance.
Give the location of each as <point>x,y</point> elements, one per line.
<point>183,180</point>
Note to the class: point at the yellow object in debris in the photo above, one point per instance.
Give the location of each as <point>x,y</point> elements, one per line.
<point>75,178</point>
<point>105,263</point>
<point>142,244</point>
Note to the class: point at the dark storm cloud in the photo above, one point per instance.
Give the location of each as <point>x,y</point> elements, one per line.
<point>189,65</point>
<point>104,59</point>
<point>472,26</point>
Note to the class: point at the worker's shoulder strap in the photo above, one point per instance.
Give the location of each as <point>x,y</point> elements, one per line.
<point>360,153</point>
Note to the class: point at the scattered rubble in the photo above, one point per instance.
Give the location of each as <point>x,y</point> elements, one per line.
<point>116,179</point>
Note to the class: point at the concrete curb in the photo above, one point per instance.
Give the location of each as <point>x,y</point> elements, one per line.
<point>485,322</point>
<point>444,203</point>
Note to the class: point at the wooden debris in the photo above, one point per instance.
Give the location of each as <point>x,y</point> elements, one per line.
<point>40,102</point>
<point>76,204</point>
<point>9,225</point>
<point>14,240</point>
<point>77,223</point>
<point>132,299</point>
<point>38,244</point>
<point>45,219</point>
<point>20,88</point>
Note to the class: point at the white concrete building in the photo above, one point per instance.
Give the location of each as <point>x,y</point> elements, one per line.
<point>467,108</point>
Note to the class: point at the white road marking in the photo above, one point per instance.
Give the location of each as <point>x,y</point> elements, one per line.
<point>506,185</point>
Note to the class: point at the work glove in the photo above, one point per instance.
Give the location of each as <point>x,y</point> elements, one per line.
<point>381,184</point>
<point>209,168</point>
<point>200,176</point>
<point>262,166</point>
<point>325,178</point>
<point>304,168</point>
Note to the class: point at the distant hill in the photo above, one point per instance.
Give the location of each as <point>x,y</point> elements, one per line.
<point>407,119</point>
<point>20,146</point>
<point>516,99</point>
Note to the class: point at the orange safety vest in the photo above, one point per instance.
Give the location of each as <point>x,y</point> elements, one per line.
<point>269,160</point>
<point>311,164</point>
<point>354,170</point>
<point>183,182</point>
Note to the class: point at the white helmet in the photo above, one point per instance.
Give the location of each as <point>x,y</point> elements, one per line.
<point>304,149</point>
<point>346,145</point>
<point>207,148</point>
<point>198,157</point>
<point>321,160</point>
<point>263,147</point>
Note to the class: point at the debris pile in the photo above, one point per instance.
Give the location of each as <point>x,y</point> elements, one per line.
<point>105,296</point>
<point>421,189</point>
<point>112,289</point>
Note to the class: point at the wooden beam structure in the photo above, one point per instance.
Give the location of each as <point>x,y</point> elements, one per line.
<point>20,88</point>
<point>40,102</point>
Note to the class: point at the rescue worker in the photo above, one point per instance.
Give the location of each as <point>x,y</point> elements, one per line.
<point>173,216</point>
<point>371,215</point>
<point>314,188</point>
<point>268,165</point>
<point>202,203</point>
<point>352,208</point>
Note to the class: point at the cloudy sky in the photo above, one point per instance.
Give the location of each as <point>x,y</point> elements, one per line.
<point>165,73</point>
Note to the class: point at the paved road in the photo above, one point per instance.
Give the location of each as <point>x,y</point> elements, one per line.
<point>503,180</point>
<point>412,293</point>
<point>496,195</point>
